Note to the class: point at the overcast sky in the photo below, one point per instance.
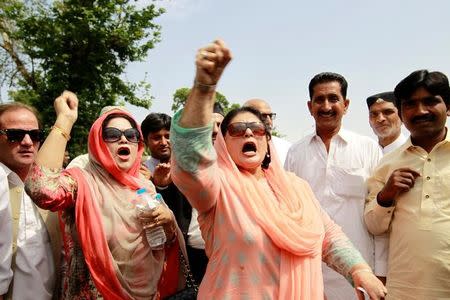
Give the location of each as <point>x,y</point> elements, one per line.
<point>278,46</point>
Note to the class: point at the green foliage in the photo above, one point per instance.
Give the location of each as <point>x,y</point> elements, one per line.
<point>78,45</point>
<point>276,133</point>
<point>180,96</point>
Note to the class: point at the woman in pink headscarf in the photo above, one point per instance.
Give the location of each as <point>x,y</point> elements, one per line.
<point>106,253</point>
<point>265,233</point>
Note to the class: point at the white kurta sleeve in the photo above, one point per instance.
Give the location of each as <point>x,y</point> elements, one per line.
<point>6,273</point>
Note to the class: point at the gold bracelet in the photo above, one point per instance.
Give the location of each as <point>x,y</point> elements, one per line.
<point>63,133</point>
<point>205,87</point>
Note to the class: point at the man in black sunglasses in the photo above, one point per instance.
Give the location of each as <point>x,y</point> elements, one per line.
<point>29,258</point>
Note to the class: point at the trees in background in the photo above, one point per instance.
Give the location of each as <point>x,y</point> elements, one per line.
<point>79,45</point>
<point>180,97</point>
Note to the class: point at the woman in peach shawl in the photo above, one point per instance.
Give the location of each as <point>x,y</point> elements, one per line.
<point>106,253</point>
<point>265,232</point>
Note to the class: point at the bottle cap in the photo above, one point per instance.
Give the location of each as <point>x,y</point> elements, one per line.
<point>158,197</point>
<point>141,191</point>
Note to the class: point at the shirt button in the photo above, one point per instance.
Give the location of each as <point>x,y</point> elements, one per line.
<point>427,196</point>
<point>428,159</point>
<point>428,177</point>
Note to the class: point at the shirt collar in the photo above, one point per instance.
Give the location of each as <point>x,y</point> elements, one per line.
<point>400,140</point>
<point>13,178</point>
<point>409,143</point>
<point>343,134</point>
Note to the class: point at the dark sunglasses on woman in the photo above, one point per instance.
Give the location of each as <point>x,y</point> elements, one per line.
<point>17,135</point>
<point>239,128</point>
<point>112,134</point>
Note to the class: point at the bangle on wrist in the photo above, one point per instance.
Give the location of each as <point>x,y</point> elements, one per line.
<point>62,132</point>
<point>388,203</point>
<point>205,87</point>
<point>357,271</point>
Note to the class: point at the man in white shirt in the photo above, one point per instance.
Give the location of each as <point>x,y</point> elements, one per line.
<point>28,235</point>
<point>336,163</point>
<point>281,146</point>
<point>385,121</point>
<point>387,126</point>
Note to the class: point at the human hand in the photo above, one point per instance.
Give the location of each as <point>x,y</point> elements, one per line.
<point>145,172</point>
<point>210,62</point>
<point>161,175</point>
<point>367,283</point>
<point>160,216</point>
<point>66,108</point>
<point>400,181</point>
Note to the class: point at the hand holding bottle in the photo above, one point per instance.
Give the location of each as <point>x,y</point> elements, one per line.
<point>150,209</point>
<point>160,216</point>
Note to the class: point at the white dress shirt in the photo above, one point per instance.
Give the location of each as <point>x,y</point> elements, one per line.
<point>80,161</point>
<point>6,273</point>
<point>395,144</point>
<point>338,181</point>
<point>195,239</point>
<point>382,241</point>
<point>34,271</point>
<point>282,147</point>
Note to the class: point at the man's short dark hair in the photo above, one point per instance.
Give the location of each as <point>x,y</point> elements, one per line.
<point>326,77</point>
<point>154,122</point>
<point>436,83</point>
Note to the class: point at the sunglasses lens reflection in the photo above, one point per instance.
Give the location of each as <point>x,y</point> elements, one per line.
<point>132,135</point>
<point>111,135</point>
<point>239,128</point>
<point>17,135</point>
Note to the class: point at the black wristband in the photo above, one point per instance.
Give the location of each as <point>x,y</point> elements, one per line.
<point>205,87</point>
<point>386,203</point>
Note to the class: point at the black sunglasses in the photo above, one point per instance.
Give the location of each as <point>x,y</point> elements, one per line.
<point>271,115</point>
<point>239,128</point>
<point>17,135</point>
<point>112,134</point>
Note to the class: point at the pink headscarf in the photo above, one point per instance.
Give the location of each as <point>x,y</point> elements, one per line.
<point>99,151</point>
<point>294,223</point>
<point>88,215</point>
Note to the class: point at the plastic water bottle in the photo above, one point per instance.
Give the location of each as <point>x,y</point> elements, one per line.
<point>156,237</point>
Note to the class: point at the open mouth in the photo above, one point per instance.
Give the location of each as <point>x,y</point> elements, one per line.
<point>123,152</point>
<point>249,147</point>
